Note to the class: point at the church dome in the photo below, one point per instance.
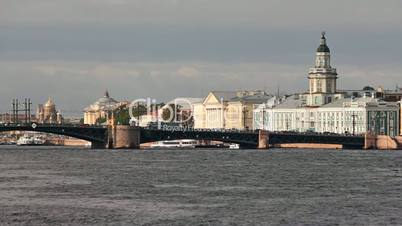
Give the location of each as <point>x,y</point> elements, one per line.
<point>106,100</point>
<point>49,103</point>
<point>323,48</point>
<point>103,103</point>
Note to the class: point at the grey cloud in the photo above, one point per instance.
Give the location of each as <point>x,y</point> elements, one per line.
<point>73,50</point>
<point>177,43</point>
<point>364,14</point>
<point>75,85</point>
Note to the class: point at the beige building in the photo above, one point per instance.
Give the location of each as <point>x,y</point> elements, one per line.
<point>47,113</point>
<point>228,110</point>
<point>100,108</point>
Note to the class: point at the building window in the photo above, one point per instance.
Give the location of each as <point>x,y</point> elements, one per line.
<point>319,86</point>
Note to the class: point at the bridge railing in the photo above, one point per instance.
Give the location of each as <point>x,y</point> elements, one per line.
<point>315,133</point>
<point>189,129</point>
<point>50,125</point>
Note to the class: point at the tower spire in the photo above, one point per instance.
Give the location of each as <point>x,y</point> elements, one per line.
<point>323,39</point>
<point>323,48</point>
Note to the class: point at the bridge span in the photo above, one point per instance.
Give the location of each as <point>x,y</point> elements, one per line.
<point>131,137</point>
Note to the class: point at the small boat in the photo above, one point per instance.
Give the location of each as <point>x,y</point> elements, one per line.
<point>175,144</point>
<point>234,146</point>
<point>8,143</point>
<point>27,140</point>
<point>212,146</point>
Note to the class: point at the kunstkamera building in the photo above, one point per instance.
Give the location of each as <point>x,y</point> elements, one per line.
<point>324,108</point>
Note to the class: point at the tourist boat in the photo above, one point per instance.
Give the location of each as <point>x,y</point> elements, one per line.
<point>234,146</point>
<point>175,144</point>
<point>8,143</point>
<point>27,140</point>
<point>212,146</point>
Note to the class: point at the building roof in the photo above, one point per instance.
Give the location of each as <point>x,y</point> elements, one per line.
<point>323,48</point>
<point>291,102</point>
<point>186,103</point>
<point>224,95</point>
<point>106,99</point>
<point>103,103</point>
<point>361,100</point>
<point>243,96</point>
<point>257,98</point>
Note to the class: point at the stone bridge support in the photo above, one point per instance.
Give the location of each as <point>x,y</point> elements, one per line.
<point>263,139</point>
<point>98,145</point>
<point>382,142</point>
<point>370,141</point>
<point>124,137</point>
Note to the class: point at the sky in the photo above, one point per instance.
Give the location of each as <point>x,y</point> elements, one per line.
<point>74,50</point>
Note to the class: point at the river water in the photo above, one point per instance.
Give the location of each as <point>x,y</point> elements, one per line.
<point>62,186</point>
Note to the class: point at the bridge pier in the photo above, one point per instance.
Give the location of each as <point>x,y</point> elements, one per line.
<point>370,141</point>
<point>98,145</point>
<point>124,137</point>
<point>263,139</point>
<point>382,142</point>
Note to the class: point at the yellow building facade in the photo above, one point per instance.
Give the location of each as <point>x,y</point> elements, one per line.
<point>99,109</point>
<point>227,110</point>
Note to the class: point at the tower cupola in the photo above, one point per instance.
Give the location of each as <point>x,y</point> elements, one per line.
<point>323,48</point>
<point>322,77</point>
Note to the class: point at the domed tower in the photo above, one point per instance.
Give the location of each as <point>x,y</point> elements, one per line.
<point>322,77</point>
<point>49,111</point>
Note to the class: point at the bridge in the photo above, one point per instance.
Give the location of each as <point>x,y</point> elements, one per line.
<point>97,135</point>
<point>120,136</point>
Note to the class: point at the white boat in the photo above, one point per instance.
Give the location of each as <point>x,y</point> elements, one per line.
<point>175,144</point>
<point>27,140</point>
<point>234,146</point>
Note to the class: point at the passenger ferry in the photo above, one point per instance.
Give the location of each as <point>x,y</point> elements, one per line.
<point>175,144</point>
<point>234,146</point>
<point>27,140</point>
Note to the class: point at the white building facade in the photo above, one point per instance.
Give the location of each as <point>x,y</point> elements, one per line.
<point>325,109</point>
<point>349,115</point>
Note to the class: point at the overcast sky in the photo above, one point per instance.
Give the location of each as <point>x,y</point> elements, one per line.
<point>73,50</point>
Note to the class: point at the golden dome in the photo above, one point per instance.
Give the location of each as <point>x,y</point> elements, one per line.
<point>49,103</point>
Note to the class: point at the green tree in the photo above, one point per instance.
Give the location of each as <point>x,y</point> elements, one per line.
<point>123,115</point>
<point>101,120</point>
<point>139,110</point>
<point>187,119</point>
<point>169,110</point>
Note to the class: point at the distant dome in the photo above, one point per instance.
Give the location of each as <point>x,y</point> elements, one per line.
<point>323,48</point>
<point>49,103</point>
<point>368,88</point>
<point>104,102</point>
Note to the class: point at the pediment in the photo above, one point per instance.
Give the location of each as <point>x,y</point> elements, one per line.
<point>211,99</point>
